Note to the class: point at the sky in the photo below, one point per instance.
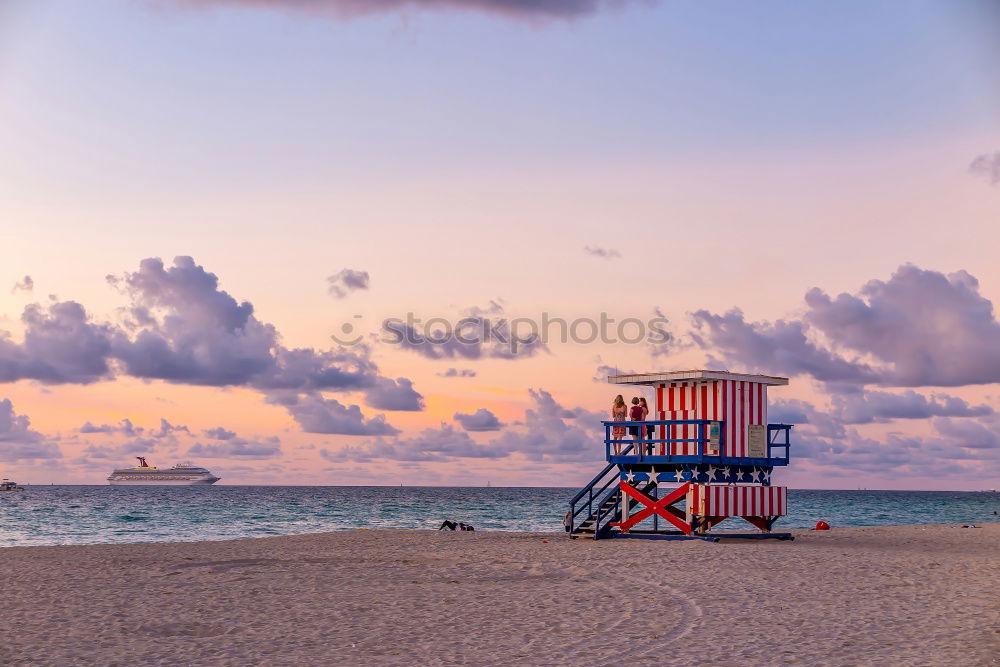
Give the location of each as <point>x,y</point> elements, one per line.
<point>209,210</point>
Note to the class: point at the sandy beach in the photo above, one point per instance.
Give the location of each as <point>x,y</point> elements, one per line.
<point>890,595</point>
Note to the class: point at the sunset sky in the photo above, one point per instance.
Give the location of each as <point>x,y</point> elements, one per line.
<point>196,195</point>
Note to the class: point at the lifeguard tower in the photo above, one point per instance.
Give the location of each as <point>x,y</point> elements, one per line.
<point>705,454</point>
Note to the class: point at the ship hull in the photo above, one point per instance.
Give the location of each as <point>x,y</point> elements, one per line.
<point>163,482</point>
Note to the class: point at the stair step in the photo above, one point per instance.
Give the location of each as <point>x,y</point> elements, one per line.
<point>586,527</point>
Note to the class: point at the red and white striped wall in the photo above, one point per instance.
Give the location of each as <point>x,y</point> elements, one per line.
<point>706,500</point>
<point>737,403</point>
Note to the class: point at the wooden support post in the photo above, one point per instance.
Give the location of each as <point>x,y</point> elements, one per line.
<point>624,503</point>
<point>762,522</point>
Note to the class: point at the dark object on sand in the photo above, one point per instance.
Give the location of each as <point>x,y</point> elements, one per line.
<point>451,525</point>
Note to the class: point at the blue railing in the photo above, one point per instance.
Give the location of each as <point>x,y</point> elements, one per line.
<point>607,517</point>
<point>594,498</point>
<point>646,444</point>
<point>773,431</point>
<point>709,438</point>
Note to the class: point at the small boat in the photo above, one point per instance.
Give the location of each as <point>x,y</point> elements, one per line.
<point>7,485</point>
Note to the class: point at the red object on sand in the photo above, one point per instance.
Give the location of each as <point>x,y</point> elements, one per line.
<point>822,525</point>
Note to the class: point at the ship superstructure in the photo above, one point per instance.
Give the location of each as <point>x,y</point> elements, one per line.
<point>182,474</point>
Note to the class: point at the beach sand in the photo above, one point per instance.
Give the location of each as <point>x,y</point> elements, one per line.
<point>908,595</point>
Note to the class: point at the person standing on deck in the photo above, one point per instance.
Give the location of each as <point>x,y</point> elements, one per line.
<point>637,414</point>
<point>647,431</point>
<point>618,411</point>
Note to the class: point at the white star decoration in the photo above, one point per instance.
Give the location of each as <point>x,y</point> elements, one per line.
<point>653,475</point>
<point>725,472</point>
<point>678,476</point>
<point>711,473</point>
<point>630,477</point>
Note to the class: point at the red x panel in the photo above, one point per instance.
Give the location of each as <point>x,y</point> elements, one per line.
<point>658,507</point>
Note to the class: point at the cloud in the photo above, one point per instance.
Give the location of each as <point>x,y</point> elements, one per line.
<point>878,406</point>
<point>530,10</point>
<point>546,403</point>
<point>968,434</point>
<point>919,328</point>
<point>797,411</point>
<point>603,372</point>
<point>115,452</point>
<point>219,433</point>
<point>180,327</point>
<point>856,453</point>
<point>659,341</point>
<point>237,448</point>
<point>458,373</point>
<point>305,369</point>
<point>824,436</point>
<point>987,166</point>
<point>481,333</point>
<point>494,307</point>
<point>162,439</point>
<point>432,444</point>
<point>927,328</point>
<point>125,427</point>
<point>968,451</point>
<point>398,394</point>
<point>316,414</point>
<point>955,446</point>
<point>141,440</point>
<point>24,285</point>
<point>789,411</point>
<point>548,432</point>
<point>772,347</point>
<point>17,439</point>
<point>189,331</point>
<point>60,345</point>
<point>603,253</point>
<point>186,330</point>
<point>480,420</point>
<point>167,429</point>
<point>551,431</point>
<point>346,281</point>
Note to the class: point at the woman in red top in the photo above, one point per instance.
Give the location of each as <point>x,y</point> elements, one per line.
<point>636,414</point>
<point>647,430</point>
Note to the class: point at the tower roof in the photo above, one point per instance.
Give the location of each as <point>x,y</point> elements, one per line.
<point>694,376</point>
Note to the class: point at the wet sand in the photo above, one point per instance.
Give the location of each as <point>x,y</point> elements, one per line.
<point>910,595</point>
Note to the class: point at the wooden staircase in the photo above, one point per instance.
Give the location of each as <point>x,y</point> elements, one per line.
<point>586,527</point>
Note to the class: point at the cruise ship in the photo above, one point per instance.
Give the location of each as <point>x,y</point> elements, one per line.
<point>180,474</point>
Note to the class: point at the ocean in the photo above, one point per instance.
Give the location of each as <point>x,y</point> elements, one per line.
<point>48,515</point>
